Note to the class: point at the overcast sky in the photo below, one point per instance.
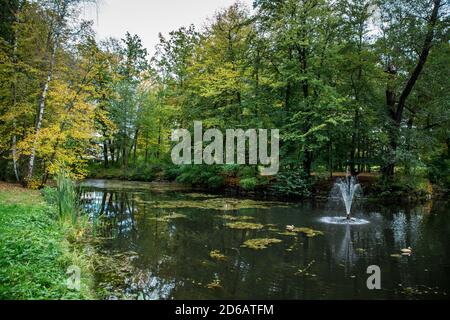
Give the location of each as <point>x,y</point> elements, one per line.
<point>147,18</point>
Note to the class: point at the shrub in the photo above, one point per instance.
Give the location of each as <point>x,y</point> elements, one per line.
<point>248,183</point>
<point>230,170</point>
<point>216,182</point>
<point>145,172</point>
<point>439,172</point>
<point>248,172</point>
<point>402,186</point>
<point>292,184</point>
<point>171,171</point>
<point>201,175</point>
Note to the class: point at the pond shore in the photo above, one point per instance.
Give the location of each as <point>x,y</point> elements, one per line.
<point>320,187</point>
<point>35,250</point>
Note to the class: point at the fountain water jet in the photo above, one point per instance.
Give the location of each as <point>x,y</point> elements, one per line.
<point>345,190</point>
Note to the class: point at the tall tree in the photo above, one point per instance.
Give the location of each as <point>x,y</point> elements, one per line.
<point>404,69</point>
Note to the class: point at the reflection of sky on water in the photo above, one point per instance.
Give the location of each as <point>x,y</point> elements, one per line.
<point>150,286</point>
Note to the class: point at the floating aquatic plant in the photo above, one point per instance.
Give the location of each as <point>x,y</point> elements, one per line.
<point>167,218</point>
<point>215,284</point>
<point>224,204</point>
<point>244,225</point>
<point>287,233</point>
<point>259,243</point>
<point>195,195</point>
<point>217,255</point>
<point>235,218</point>
<point>308,232</point>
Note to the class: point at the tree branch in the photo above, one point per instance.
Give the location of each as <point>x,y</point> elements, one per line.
<point>420,64</point>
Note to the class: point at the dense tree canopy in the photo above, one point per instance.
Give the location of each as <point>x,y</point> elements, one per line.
<point>350,84</point>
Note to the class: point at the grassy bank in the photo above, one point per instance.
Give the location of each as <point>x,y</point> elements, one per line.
<point>35,251</point>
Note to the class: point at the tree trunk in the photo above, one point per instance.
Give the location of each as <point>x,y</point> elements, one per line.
<point>112,151</point>
<point>105,153</point>
<point>125,156</point>
<point>354,142</point>
<point>135,140</point>
<point>307,162</point>
<point>14,98</point>
<point>55,30</point>
<point>42,101</point>
<point>396,108</point>
<point>159,142</point>
<point>146,146</point>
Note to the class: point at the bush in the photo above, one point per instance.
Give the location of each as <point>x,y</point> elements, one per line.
<point>230,170</point>
<point>248,183</point>
<point>202,175</point>
<point>248,172</point>
<point>171,171</point>
<point>439,172</point>
<point>402,186</point>
<point>145,172</point>
<point>216,182</point>
<point>292,184</point>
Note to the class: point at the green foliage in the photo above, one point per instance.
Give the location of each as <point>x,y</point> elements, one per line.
<point>292,184</point>
<point>248,183</point>
<point>171,171</point>
<point>230,170</point>
<point>34,255</point>
<point>144,172</point>
<point>406,187</point>
<point>247,172</point>
<point>50,195</point>
<point>439,171</point>
<point>201,175</point>
<point>313,69</point>
<point>215,182</point>
<point>66,197</point>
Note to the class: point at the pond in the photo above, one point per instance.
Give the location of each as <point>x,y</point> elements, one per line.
<point>170,242</point>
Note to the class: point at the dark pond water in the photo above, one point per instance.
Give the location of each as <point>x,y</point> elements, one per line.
<point>173,243</point>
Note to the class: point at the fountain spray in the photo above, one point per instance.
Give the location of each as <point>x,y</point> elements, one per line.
<point>347,187</point>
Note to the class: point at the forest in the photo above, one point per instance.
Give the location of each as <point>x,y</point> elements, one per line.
<point>358,85</point>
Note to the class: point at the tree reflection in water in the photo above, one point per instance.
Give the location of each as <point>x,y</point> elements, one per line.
<point>172,246</point>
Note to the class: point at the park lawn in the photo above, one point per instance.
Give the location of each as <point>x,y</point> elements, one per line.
<point>34,250</point>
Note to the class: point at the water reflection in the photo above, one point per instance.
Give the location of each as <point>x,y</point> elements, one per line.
<point>172,244</point>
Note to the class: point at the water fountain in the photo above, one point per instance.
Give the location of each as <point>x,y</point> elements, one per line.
<point>345,190</point>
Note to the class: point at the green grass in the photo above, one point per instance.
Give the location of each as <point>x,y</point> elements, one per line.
<point>67,197</point>
<point>34,250</point>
